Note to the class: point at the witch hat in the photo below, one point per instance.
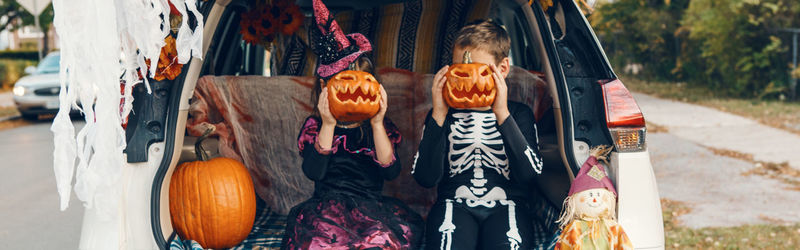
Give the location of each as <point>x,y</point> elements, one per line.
<point>335,50</point>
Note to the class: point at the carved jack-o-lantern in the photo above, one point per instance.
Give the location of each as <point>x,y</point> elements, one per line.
<point>353,96</point>
<point>469,85</point>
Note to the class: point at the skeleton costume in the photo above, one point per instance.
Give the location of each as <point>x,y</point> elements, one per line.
<point>480,168</point>
<point>347,210</point>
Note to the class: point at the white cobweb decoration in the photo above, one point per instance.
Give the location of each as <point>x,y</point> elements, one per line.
<point>94,36</point>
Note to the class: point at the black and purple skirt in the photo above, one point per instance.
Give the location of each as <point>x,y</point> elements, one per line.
<point>339,221</point>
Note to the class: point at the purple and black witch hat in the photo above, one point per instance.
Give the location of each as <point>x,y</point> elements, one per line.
<point>335,50</point>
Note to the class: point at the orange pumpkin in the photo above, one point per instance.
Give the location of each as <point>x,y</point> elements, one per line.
<point>469,85</point>
<point>353,96</point>
<point>212,202</point>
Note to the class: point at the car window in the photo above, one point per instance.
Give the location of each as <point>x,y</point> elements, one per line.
<point>49,64</point>
<point>229,54</point>
<point>522,52</point>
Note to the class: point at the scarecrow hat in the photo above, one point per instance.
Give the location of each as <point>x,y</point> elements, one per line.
<point>335,50</point>
<point>592,175</point>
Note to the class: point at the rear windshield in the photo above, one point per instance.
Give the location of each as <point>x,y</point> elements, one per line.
<point>49,64</point>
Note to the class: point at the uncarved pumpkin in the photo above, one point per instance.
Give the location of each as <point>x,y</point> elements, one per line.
<point>212,202</point>
<point>353,96</point>
<point>469,85</point>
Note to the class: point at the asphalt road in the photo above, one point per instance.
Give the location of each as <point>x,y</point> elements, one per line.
<point>29,205</point>
<point>716,188</point>
<point>6,99</point>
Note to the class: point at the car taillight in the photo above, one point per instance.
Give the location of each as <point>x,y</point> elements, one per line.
<point>623,117</point>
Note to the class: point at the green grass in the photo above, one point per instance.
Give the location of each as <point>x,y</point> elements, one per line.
<point>778,235</point>
<point>779,114</point>
<point>11,70</point>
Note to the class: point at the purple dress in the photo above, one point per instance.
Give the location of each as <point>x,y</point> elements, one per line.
<point>347,210</point>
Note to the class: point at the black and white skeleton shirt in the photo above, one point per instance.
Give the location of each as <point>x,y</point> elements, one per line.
<point>473,158</point>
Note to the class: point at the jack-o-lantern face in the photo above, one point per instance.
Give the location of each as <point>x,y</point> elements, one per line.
<point>469,85</point>
<point>353,96</point>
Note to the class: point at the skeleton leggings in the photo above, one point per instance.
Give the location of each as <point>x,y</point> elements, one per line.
<point>482,170</point>
<point>454,224</point>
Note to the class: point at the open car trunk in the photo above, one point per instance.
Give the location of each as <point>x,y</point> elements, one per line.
<point>257,100</point>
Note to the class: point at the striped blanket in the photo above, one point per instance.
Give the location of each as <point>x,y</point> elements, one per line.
<point>416,35</point>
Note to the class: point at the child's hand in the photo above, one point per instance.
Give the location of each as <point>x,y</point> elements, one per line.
<point>500,106</point>
<point>377,120</point>
<point>324,110</point>
<point>439,106</point>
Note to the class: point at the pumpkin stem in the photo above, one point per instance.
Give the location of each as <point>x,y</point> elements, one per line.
<point>467,57</point>
<point>198,146</point>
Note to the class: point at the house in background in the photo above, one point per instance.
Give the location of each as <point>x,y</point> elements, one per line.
<point>28,37</point>
<point>4,39</point>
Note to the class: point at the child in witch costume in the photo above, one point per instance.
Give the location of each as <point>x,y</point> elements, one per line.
<point>348,161</point>
<point>588,220</point>
<point>480,148</point>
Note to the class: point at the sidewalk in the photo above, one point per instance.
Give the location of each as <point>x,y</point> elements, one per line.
<point>6,99</point>
<point>717,129</point>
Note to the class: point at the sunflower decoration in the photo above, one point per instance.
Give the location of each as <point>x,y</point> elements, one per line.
<point>290,19</point>
<point>250,27</point>
<point>268,23</point>
<point>264,22</point>
<point>168,66</point>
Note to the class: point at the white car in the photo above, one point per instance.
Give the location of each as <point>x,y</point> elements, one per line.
<point>588,105</point>
<point>37,93</point>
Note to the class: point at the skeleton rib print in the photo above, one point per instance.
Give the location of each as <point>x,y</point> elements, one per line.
<point>475,142</point>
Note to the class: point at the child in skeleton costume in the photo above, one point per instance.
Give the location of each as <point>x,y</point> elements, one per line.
<point>348,161</point>
<point>479,157</point>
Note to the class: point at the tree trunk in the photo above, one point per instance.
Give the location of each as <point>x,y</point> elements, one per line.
<point>45,48</point>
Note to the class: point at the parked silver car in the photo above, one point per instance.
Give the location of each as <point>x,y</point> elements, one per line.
<point>37,93</point>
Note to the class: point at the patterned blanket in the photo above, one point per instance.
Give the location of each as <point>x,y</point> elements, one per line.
<point>416,36</point>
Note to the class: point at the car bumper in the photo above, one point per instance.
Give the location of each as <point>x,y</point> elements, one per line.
<point>36,104</point>
<point>639,204</point>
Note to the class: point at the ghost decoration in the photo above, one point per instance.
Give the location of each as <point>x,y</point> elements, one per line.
<point>588,220</point>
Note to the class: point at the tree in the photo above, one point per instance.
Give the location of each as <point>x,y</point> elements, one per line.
<point>45,20</point>
<point>641,31</point>
<point>10,11</point>
<point>732,46</point>
<point>740,44</point>
<point>13,16</point>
